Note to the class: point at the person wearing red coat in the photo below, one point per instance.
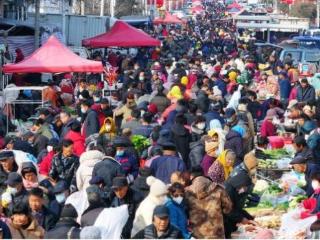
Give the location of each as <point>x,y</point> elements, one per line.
<point>268,128</point>
<point>45,164</point>
<point>101,117</point>
<point>78,140</point>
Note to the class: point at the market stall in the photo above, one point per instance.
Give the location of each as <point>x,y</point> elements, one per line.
<point>168,19</point>
<point>278,195</point>
<point>52,57</point>
<point>9,92</point>
<point>121,35</point>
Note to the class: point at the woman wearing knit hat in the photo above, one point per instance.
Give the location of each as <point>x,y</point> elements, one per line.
<point>184,80</point>
<point>156,196</point>
<point>175,93</point>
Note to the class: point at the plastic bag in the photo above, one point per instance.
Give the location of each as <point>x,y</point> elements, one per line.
<point>111,227</point>
<point>79,201</point>
<point>284,163</point>
<point>274,200</point>
<point>292,225</point>
<point>293,182</point>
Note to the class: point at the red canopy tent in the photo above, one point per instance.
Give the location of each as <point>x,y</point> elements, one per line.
<point>234,5</point>
<point>121,35</point>
<point>53,57</point>
<point>197,9</point>
<point>168,19</point>
<point>196,3</point>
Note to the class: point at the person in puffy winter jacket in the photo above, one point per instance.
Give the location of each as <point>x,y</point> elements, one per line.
<point>163,166</point>
<point>177,209</point>
<point>156,196</point>
<point>45,164</point>
<point>234,143</point>
<point>65,164</point>
<point>196,153</point>
<point>87,162</point>
<point>206,218</point>
<point>108,128</point>
<point>161,227</point>
<point>181,137</point>
<point>78,141</point>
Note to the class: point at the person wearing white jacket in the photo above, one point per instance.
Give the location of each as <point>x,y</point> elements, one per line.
<point>157,196</point>
<point>234,101</point>
<point>87,162</point>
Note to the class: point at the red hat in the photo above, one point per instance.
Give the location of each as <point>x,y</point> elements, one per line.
<point>217,69</point>
<point>153,108</point>
<point>250,65</point>
<point>67,76</point>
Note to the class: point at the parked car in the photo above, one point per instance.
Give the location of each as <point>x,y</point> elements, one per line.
<point>308,42</point>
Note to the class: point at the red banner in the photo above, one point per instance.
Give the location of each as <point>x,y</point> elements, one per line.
<point>158,3</point>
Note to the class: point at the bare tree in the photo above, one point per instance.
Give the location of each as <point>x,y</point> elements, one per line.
<point>124,8</point>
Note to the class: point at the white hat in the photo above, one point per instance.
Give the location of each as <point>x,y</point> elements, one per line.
<point>157,187</point>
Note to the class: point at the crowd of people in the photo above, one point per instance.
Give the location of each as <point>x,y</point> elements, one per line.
<point>177,144</point>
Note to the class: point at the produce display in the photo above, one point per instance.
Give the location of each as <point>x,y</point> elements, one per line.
<point>278,197</point>
<point>277,153</point>
<point>270,222</point>
<point>295,201</point>
<point>260,187</point>
<point>267,164</point>
<point>277,159</point>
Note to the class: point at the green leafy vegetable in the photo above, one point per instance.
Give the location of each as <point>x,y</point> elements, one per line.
<point>140,143</point>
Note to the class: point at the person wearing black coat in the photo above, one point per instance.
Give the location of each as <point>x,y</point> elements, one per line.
<point>161,225</point>
<point>67,121</point>
<point>67,227</point>
<point>108,169</point>
<point>305,92</point>
<point>196,153</point>
<point>234,142</point>
<point>5,233</point>
<point>19,195</point>
<point>181,137</point>
<point>15,143</point>
<point>11,166</point>
<point>45,217</point>
<point>65,164</point>
<point>96,206</point>
<point>123,195</point>
<point>238,186</point>
<point>91,123</point>
<point>140,183</point>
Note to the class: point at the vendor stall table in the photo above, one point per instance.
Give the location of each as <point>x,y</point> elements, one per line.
<point>41,101</point>
<point>272,173</point>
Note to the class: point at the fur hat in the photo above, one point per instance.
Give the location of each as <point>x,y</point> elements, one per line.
<point>157,187</point>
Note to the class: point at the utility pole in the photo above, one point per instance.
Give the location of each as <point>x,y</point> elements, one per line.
<point>112,6</point>
<point>275,6</point>
<point>318,14</point>
<point>101,8</point>
<point>63,14</point>
<point>36,25</point>
<point>82,6</point>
